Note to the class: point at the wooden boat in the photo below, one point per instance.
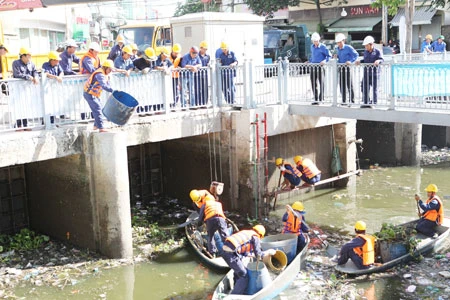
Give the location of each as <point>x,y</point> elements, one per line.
<point>426,245</point>
<point>279,281</point>
<point>197,237</point>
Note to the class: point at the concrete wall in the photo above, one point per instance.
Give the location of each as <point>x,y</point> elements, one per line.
<point>60,199</point>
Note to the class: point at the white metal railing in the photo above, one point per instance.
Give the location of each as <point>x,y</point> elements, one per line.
<point>415,81</point>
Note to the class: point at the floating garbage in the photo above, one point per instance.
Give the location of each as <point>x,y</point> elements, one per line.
<point>411,289</point>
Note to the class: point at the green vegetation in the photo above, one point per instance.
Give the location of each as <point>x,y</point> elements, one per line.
<point>24,240</point>
<point>398,234</point>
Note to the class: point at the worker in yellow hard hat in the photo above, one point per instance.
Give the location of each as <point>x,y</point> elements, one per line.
<point>201,78</point>
<point>52,68</point>
<point>24,68</point>
<point>426,44</point>
<point>97,82</point>
<point>310,173</point>
<point>294,222</point>
<point>124,62</point>
<point>135,50</point>
<point>192,63</point>
<point>175,58</point>
<point>116,51</point>
<point>228,61</point>
<point>238,245</point>
<point>292,176</point>
<point>361,249</point>
<point>199,197</point>
<point>431,212</point>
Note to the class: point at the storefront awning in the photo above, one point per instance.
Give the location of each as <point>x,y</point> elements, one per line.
<point>354,24</point>
<point>422,15</point>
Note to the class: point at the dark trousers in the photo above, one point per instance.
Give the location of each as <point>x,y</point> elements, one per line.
<point>350,254</point>
<point>317,77</point>
<point>426,227</point>
<point>240,271</point>
<point>176,89</point>
<point>301,243</point>
<point>201,87</point>
<point>370,79</point>
<point>212,225</point>
<point>346,84</point>
<point>311,180</point>
<point>228,87</point>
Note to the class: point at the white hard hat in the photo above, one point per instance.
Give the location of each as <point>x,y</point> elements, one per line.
<point>340,37</point>
<point>315,37</point>
<point>368,40</point>
<point>71,43</point>
<point>94,46</point>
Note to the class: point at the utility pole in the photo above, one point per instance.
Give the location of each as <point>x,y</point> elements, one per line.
<point>409,15</point>
<point>384,24</point>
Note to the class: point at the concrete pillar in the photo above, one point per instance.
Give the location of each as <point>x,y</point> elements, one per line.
<point>111,193</point>
<point>408,141</point>
<point>345,137</point>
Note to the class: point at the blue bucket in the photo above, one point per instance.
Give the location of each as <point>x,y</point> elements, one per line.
<point>258,277</point>
<point>390,251</point>
<point>286,242</point>
<point>120,107</point>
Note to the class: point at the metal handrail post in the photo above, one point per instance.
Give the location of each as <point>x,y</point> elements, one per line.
<point>334,77</point>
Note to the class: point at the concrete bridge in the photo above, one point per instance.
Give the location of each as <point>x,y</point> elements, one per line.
<point>82,182</point>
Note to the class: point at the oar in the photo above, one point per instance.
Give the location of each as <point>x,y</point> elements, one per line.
<point>276,194</point>
<point>331,251</point>
<point>193,217</point>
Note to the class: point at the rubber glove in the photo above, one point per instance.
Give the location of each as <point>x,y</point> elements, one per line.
<point>282,168</point>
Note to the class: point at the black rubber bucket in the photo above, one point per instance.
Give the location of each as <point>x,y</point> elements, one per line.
<point>120,107</point>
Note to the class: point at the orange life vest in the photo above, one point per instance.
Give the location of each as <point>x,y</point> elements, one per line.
<point>433,215</point>
<point>93,87</point>
<point>176,63</point>
<point>293,224</point>
<point>95,62</point>
<point>367,251</point>
<point>309,168</point>
<point>296,172</point>
<point>213,209</point>
<point>204,196</point>
<point>241,240</point>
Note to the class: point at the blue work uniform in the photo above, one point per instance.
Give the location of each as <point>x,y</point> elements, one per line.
<point>120,63</point>
<point>115,52</point>
<point>66,62</point>
<point>371,74</point>
<point>56,70</point>
<point>301,241</point>
<point>213,224</point>
<point>347,53</point>
<point>94,101</point>
<point>228,74</point>
<point>347,253</point>
<point>188,87</point>
<point>425,226</point>
<point>317,73</point>
<point>293,179</point>
<point>24,71</point>
<point>425,45</point>
<point>201,80</point>
<point>438,47</point>
<point>234,259</point>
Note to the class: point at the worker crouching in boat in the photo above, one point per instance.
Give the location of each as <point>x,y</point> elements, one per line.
<point>432,212</point>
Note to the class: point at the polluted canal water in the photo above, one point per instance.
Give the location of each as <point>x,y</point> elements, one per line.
<point>379,195</point>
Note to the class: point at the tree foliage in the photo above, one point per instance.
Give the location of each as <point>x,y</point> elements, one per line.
<point>392,5</point>
<point>194,6</point>
<point>268,7</point>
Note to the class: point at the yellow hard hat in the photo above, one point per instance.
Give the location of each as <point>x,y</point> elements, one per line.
<point>150,53</point>
<point>204,44</point>
<point>120,39</point>
<point>53,55</point>
<point>195,195</point>
<point>134,47</point>
<point>298,206</point>
<point>176,48</point>
<point>260,230</point>
<point>298,159</point>
<point>432,188</point>
<point>223,45</point>
<point>24,50</point>
<point>279,161</point>
<point>429,37</point>
<point>164,50</point>
<point>108,64</point>
<point>127,49</point>
<point>360,225</point>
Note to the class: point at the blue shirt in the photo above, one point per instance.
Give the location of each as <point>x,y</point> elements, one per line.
<point>218,52</point>
<point>293,179</point>
<point>228,59</point>
<point>122,64</point>
<point>319,53</point>
<point>102,81</point>
<point>357,242</point>
<point>24,71</point>
<point>438,47</point>
<point>424,46</point>
<point>205,59</point>
<point>371,57</point>
<point>56,70</point>
<point>115,52</point>
<point>187,60</point>
<point>88,65</point>
<point>347,53</point>
<point>163,63</point>
<point>66,62</point>
<point>433,205</point>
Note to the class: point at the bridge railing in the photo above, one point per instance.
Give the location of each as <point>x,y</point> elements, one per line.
<point>401,82</point>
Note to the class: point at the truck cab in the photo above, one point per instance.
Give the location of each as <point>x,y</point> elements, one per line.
<point>146,35</point>
<point>291,41</point>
